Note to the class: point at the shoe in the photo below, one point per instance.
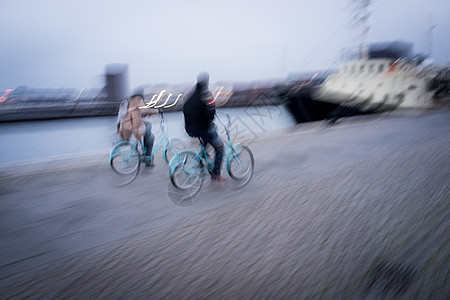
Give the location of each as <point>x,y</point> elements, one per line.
<point>217,178</point>
<point>149,162</point>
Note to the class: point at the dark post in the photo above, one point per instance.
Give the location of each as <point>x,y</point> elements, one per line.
<point>117,82</point>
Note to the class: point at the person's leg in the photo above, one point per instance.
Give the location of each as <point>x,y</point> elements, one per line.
<point>214,140</point>
<point>149,139</point>
<point>211,137</point>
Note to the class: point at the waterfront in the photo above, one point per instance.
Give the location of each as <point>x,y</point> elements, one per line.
<point>42,140</point>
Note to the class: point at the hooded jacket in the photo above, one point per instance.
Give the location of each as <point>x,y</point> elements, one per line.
<point>199,109</point>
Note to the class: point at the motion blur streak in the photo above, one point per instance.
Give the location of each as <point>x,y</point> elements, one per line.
<point>5,96</point>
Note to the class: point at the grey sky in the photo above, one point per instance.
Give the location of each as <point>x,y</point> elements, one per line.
<point>67,43</point>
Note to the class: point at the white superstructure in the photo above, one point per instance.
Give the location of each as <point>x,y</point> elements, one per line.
<point>379,84</point>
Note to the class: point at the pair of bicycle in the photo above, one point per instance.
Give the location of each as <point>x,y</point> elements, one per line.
<point>187,167</point>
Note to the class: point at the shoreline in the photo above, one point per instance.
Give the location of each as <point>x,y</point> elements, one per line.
<point>100,157</point>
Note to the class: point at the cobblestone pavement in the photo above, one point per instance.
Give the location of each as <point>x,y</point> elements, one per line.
<point>359,210</point>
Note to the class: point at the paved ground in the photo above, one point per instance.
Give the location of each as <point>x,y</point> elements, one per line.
<point>359,210</point>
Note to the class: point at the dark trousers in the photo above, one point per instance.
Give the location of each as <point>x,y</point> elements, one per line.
<point>149,139</point>
<point>210,137</point>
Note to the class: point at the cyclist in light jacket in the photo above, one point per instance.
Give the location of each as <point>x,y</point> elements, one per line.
<point>130,121</point>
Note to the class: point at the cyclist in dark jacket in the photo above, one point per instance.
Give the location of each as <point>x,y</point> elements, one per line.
<point>199,110</point>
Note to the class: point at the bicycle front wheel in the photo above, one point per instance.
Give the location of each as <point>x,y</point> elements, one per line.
<point>240,166</point>
<point>125,159</point>
<point>187,174</point>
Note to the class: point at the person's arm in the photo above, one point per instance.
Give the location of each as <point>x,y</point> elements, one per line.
<point>209,101</point>
<point>145,111</point>
<point>148,111</point>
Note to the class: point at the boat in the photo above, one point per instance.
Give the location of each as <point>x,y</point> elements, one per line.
<point>386,78</point>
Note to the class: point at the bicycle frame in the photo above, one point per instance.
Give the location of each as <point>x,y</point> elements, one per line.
<point>140,147</point>
<point>135,147</point>
<point>163,140</point>
<point>230,152</point>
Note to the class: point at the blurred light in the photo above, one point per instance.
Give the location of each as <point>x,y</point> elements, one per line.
<point>150,104</point>
<point>220,95</point>
<point>5,96</point>
<point>304,84</point>
<point>164,102</point>
<point>160,95</point>
<point>154,103</point>
<point>176,100</point>
<point>77,96</point>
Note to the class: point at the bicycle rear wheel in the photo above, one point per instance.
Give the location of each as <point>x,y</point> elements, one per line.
<point>241,165</point>
<point>125,160</point>
<point>187,174</point>
<point>173,147</point>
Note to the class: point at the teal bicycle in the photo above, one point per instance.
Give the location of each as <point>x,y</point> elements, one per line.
<point>188,168</point>
<point>127,156</point>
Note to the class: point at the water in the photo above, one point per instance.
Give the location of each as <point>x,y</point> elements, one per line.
<point>38,140</point>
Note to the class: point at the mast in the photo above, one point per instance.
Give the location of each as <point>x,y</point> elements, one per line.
<point>430,36</point>
<point>365,29</point>
<point>362,21</point>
